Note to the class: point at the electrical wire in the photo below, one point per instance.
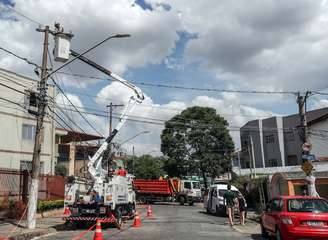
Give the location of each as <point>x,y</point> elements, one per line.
<point>76,109</point>
<point>189,88</point>
<point>19,57</point>
<point>21,14</point>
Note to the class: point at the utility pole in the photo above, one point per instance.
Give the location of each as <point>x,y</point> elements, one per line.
<point>109,149</point>
<point>306,164</point>
<point>60,37</point>
<point>33,191</point>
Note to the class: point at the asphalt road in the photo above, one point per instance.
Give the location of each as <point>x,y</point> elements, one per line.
<point>170,221</point>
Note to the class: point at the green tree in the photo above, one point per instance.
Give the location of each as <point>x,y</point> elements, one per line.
<point>60,170</point>
<point>197,141</point>
<point>146,167</point>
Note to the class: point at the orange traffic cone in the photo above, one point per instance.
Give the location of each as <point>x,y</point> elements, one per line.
<point>149,211</point>
<point>137,220</point>
<point>67,212</point>
<point>98,234</point>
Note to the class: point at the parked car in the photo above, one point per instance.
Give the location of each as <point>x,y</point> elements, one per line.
<point>213,200</point>
<point>295,217</point>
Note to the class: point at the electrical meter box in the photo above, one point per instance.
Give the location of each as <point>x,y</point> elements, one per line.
<point>62,47</point>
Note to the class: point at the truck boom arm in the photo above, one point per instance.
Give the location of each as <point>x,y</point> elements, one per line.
<point>94,164</point>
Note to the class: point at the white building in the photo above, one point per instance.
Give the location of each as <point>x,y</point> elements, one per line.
<point>17,126</point>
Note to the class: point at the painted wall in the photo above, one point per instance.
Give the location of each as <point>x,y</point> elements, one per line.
<point>13,148</point>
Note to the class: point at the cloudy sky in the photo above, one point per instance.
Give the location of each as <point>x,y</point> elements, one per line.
<point>265,45</point>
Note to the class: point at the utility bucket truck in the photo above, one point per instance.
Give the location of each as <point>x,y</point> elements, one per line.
<point>106,197</point>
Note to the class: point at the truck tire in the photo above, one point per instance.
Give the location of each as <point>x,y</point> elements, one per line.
<point>182,200</point>
<point>191,203</point>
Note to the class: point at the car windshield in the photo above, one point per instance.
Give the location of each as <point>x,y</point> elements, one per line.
<point>307,205</point>
<point>195,185</point>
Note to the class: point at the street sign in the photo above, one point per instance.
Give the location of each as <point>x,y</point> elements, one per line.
<point>307,167</point>
<point>307,147</point>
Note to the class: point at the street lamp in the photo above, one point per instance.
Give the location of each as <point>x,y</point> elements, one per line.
<point>129,139</point>
<point>86,51</point>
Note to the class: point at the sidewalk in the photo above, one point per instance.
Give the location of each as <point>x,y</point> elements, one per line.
<point>49,223</point>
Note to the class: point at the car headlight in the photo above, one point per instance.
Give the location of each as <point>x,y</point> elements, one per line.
<point>287,220</point>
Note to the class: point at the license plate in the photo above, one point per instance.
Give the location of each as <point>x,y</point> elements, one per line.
<point>315,223</point>
<point>89,211</point>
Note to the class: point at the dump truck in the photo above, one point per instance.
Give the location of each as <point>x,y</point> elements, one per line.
<point>167,190</point>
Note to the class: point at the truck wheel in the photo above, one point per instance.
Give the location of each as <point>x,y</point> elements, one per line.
<point>191,203</point>
<point>182,200</point>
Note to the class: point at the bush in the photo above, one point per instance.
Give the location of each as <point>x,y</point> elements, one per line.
<point>46,205</point>
<point>60,170</point>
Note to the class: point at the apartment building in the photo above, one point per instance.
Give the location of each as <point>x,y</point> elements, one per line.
<point>273,144</point>
<point>17,125</point>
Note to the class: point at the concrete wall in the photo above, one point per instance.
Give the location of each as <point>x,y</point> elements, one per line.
<point>13,148</point>
<point>319,139</point>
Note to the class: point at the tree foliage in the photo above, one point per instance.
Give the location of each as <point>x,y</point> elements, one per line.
<point>146,167</point>
<point>60,170</point>
<point>197,141</point>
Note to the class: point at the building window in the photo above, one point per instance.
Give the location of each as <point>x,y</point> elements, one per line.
<point>273,163</point>
<point>292,160</point>
<point>27,165</point>
<point>269,139</point>
<point>28,132</point>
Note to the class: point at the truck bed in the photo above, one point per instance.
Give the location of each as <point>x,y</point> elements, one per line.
<point>158,187</point>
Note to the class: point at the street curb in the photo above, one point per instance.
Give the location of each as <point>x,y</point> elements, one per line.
<point>33,234</point>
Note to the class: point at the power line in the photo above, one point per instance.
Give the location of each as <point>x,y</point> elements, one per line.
<point>189,88</point>
<point>21,14</point>
<point>19,57</point>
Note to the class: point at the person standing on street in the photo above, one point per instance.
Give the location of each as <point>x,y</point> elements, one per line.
<point>245,193</point>
<point>242,208</point>
<point>229,201</point>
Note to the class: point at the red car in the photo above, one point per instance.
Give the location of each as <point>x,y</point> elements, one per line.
<point>296,217</point>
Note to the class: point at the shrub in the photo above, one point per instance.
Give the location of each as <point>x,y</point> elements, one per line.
<point>60,170</point>
<point>46,205</point>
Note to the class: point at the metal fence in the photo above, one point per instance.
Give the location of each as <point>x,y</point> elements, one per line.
<point>15,183</point>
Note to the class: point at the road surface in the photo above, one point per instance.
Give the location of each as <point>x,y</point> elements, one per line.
<point>170,221</point>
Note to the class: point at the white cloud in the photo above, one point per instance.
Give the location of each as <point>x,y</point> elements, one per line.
<point>74,119</point>
<point>152,35</point>
<point>320,103</point>
<point>149,116</point>
<point>259,43</point>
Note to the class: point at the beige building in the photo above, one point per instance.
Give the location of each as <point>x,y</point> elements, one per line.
<point>17,126</point>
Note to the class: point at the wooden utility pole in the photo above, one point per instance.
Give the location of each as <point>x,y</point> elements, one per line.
<point>306,164</point>
<point>42,103</point>
<point>109,149</point>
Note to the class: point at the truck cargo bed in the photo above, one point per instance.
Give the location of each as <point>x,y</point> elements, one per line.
<point>158,187</point>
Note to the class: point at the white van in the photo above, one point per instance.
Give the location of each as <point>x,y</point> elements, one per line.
<point>213,201</point>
